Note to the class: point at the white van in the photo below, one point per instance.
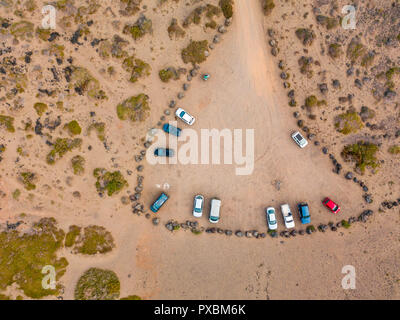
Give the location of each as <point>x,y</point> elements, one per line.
<point>287,216</point>
<point>214,210</point>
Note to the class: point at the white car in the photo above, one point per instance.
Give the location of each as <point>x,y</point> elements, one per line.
<point>184,116</point>
<point>287,216</point>
<point>214,210</point>
<point>299,139</point>
<point>198,206</point>
<point>271,218</point>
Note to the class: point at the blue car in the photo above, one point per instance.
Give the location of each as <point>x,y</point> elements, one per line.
<point>163,152</point>
<point>168,128</point>
<point>159,202</point>
<point>304,213</point>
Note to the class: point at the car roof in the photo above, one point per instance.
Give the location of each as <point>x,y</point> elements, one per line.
<point>304,210</point>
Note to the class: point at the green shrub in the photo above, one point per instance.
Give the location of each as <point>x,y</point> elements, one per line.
<point>27,178</point>
<point>174,30</point>
<point>7,122</point>
<point>72,235</point>
<point>195,52</point>
<point>267,6</point>
<point>367,60</point>
<point>141,27</point>
<point>23,255</point>
<point>135,108</point>
<point>305,64</point>
<point>16,194</point>
<point>307,36</point>
<point>93,240</point>
<point>311,228</point>
<point>61,147</point>
<point>227,8</point>
<point>311,101</point>
<point>43,34</point>
<point>99,127</point>
<point>112,182</point>
<point>132,297</point>
<point>348,122</point>
<point>345,224</point>
<point>84,83</point>
<point>40,108</point>
<point>136,67</point>
<point>97,284</point>
<point>22,29</point>
<point>355,50</point>
<point>73,128</point>
<point>328,22</point>
<point>335,50</point>
<point>394,149</point>
<point>78,165</point>
<point>169,73</point>
<point>392,72</point>
<point>363,154</point>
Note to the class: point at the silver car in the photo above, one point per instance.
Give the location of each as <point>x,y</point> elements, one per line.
<point>299,139</point>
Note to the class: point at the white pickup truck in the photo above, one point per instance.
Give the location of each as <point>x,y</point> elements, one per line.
<point>287,216</point>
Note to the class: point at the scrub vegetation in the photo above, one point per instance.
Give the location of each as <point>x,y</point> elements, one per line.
<point>363,154</point>
<point>110,182</point>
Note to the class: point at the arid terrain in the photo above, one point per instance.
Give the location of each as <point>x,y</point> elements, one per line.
<point>76,106</point>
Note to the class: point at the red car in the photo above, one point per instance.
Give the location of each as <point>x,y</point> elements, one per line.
<point>331,205</point>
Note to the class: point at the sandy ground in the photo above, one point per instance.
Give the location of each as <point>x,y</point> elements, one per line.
<point>220,268</point>
<point>244,92</point>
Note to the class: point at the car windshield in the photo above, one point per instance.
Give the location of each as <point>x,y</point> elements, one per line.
<point>299,137</point>
<point>182,114</point>
<point>214,218</point>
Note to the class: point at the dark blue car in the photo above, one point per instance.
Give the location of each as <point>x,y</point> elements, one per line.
<point>168,128</point>
<point>163,152</point>
<point>304,213</point>
<point>159,202</point>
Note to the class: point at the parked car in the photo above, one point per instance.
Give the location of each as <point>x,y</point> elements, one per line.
<point>287,216</point>
<point>215,210</point>
<point>331,205</point>
<point>184,116</point>
<point>164,152</point>
<point>198,206</point>
<point>159,202</point>
<point>271,218</point>
<point>304,213</point>
<point>299,139</point>
<point>169,128</point>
